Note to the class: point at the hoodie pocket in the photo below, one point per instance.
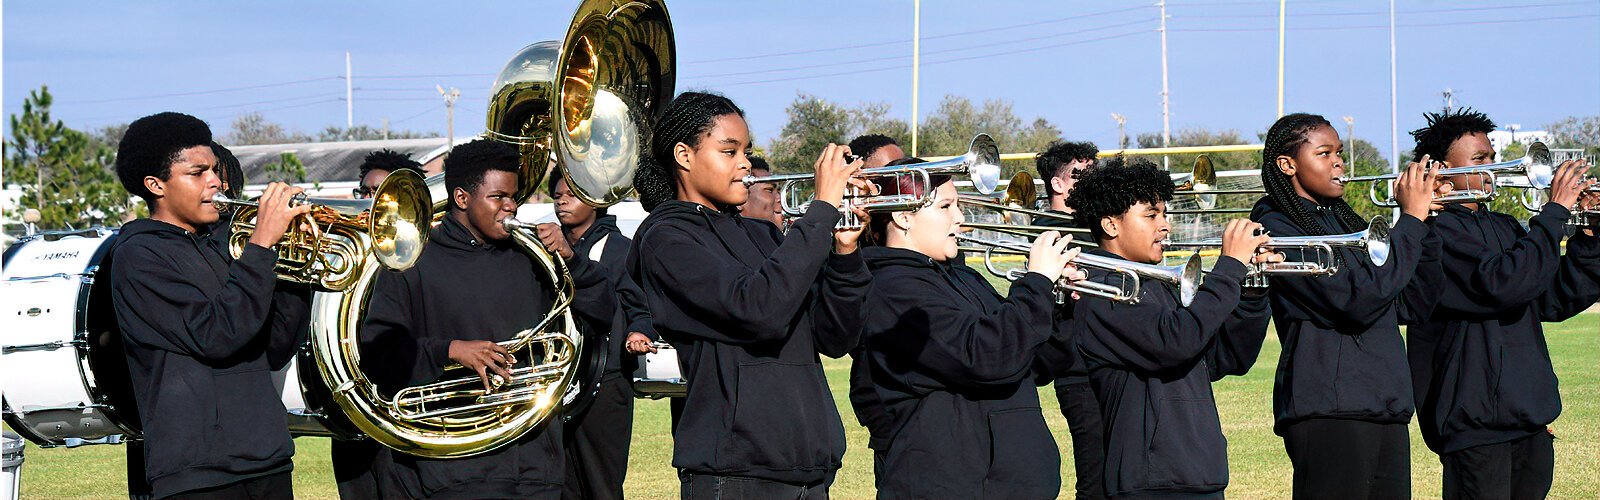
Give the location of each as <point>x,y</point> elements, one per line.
<point>1187,447</point>
<point>250,416</point>
<point>783,418</point>
<point>1023,459</point>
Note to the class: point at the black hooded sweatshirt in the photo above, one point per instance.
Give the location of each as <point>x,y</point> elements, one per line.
<point>952,363</point>
<point>608,315</point>
<point>748,309</point>
<point>202,332</point>
<point>1152,365</point>
<point>1342,352</point>
<point>465,289</point>
<point>1480,364</point>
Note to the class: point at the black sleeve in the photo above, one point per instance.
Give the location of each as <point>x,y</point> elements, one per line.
<point>750,305</point>
<point>290,323</point>
<point>1151,336</point>
<point>177,315</point>
<point>1577,282</point>
<point>594,298</point>
<point>1360,293</point>
<point>395,350</point>
<point>1485,280</point>
<point>1239,342</point>
<point>1421,295</point>
<point>959,347</point>
<point>634,310</point>
<point>837,311</point>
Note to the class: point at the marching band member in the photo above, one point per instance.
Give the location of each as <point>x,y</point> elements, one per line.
<point>597,439</point>
<point>1343,394</point>
<point>748,308</point>
<point>203,330</point>
<point>1485,388</point>
<point>876,150</point>
<point>471,287</point>
<point>353,459</point>
<point>763,202</point>
<point>1059,166</point>
<point>1152,362</point>
<point>952,362</point>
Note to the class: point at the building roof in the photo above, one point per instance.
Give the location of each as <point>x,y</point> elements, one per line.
<point>339,161</point>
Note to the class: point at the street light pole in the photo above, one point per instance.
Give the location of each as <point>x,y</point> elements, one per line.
<point>450,97</point>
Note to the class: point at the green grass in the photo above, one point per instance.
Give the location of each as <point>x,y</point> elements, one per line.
<point>1259,467</point>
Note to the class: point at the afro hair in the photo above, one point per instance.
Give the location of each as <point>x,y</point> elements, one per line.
<point>1444,128</point>
<point>389,160</point>
<point>152,144</point>
<point>467,163</point>
<point>865,145</point>
<point>1110,189</point>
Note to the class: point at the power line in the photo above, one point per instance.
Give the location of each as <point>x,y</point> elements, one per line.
<point>899,42</point>
<point>418,115</point>
<point>1385,26</point>
<point>947,61</point>
<point>206,92</point>
<point>1385,13</point>
<point>936,52</point>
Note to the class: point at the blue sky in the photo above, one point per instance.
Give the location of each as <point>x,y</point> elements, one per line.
<point>1073,63</point>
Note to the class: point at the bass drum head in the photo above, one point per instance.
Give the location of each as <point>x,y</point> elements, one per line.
<point>68,377</point>
<point>585,383</point>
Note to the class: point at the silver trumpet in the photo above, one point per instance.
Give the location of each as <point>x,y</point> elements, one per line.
<point>1530,173</point>
<point>1321,261</point>
<point>1186,275</point>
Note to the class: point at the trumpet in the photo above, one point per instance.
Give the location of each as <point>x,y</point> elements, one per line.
<point>1532,172</point>
<point>330,253</point>
<point>981,162</point>
<point>1020,193</point>
<point>1185,276</point>
<point>1374,240</point>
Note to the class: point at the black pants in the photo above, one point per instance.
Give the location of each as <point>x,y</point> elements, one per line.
<point>1515,469</point>
<point>278,486</point>
<point>1082,410</point>
<point>352,468</point>
<point>597,443</point>
<point>705,487</point>
<point>1349,459</point>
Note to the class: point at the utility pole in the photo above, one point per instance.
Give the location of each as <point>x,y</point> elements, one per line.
<point>450,97</point>
<point>349,98</point>
<point>916,68</point>
<point>1166,109</point>
<point>1122,134</point>
<point>1394,105</point>
<point>1449,99</point>
<point>385,128</point>
<point>1350,137</point>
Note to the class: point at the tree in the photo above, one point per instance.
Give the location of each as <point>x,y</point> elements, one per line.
<point>64,173</point>
<point>253,128</point>
<point>1576,132</point>
<point>365,133</point>
<point>949,130</point>
<point>288,169</point>
<point>815,122</point>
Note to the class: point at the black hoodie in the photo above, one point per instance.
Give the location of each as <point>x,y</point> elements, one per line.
<point>608,316</point>
<point>748,309</point>
<point>1152,364</point>
<point>1480,364</point>
<point>464,289</point>
<point>1342,352</point>
<point>202,332</point>
<point>952,363</point>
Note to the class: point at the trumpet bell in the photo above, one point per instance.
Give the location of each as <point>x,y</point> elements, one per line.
<point>1378,241</point>
<point>1189,279</point>
<point>983,164</point>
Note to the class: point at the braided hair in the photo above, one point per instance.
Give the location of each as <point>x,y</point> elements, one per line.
<point>1444,128</point>
<point>1285,138</point>
<point>685,120</point>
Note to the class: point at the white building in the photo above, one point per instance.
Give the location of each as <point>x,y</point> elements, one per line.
<point>1499,139</point>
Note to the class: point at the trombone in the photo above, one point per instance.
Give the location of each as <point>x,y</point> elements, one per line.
<point>392,226</point>
<point>1020,193</point>
<point>1374,240</point>
<point>981,162</point>
<point>1532,172</point>
<point>1198,183</point>
<point>1186,275</point>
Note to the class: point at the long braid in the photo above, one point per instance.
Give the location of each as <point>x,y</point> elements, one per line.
<point>684,120</point>
<point>1284,139</point>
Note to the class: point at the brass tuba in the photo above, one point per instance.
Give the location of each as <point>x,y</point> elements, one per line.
<point>585,104</point>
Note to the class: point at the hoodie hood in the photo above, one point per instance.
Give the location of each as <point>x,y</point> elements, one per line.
<point>453,235</point>
<point>733,232</point>
<point>879,258</point>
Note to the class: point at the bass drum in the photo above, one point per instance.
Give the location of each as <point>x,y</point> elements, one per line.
<point>61,356</point>
<point>658,375</point>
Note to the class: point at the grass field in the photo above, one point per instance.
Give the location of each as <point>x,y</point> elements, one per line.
<point>1259,467</point>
